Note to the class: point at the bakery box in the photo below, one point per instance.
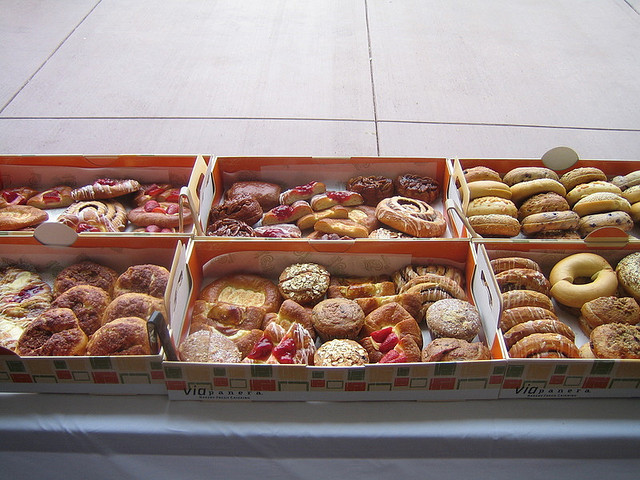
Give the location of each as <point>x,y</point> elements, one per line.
<point>38,188</point>
<point>614,223</point>
<point>297,177</point>
<point>126,374</point>
<point>207,261</point>
<point>581,377</point>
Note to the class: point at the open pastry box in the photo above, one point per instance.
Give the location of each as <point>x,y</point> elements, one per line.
<point>217,176</point>
<point>134,374</point>
<point>459,194</point>
<point>207,261</point>
<point>42,172</point>
<point>566,377</point>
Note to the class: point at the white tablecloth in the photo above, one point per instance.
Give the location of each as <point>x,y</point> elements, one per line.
<point>82,436</point>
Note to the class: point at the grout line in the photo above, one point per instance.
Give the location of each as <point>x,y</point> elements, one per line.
<point>373,87</point>
<point>49,57</point>
<point>632,7</point>
<point>305,119</point>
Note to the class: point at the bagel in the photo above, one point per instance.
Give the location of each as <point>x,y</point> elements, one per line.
<point>635,212</point>
<point>475,174</point>
<point>584,189</point>
<point>627,181</point>
<point>539,222</point>
<point>564,274</point>
<point>581,175</point>
<point>489,188</point>
<point>628,271</point>
<point>543,202</point>
<point>601,202</point>
<point>495,225</point>
<point>523,190</point>
<point>632,194</point>
<point>525,174</point>
<point>491,205</point>
<point>621,220</point>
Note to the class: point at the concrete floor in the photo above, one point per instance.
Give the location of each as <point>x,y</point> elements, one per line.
<point>469,78</point>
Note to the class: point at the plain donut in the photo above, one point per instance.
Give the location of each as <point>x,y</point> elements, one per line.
<point>604,281</point>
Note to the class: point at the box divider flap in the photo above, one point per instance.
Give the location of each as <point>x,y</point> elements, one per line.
<point>486,293</point>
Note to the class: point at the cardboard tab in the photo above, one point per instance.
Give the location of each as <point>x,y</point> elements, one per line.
<point>560,158</point>
<point>55,233</point>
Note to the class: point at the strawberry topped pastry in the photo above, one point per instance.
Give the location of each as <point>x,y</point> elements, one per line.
<point>56,197</point>
<point>104,188</point>
<point>287,213</point>
<point>302,192</point>
<point>160,192</point>
<point>160,214</point>
<point>329,199</point>
<point>15,196</point>
<point>277,346</point>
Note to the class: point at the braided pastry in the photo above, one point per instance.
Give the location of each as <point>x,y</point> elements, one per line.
<point>411,216</point>
<point>95,216</point>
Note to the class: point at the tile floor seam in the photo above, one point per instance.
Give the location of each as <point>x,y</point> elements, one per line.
<point>632,7</point>
<point>73,30</point>
<point>373,87</point>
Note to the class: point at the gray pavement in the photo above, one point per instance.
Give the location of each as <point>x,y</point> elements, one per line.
<point>469,78</point>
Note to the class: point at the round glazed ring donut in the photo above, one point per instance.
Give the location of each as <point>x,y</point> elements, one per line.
<point>540,343</point>
<point>604,281</point>
<point>411,216</point>
<point>539,222</point>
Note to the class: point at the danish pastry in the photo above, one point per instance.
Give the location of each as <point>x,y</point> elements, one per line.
<point>146,278</point>
<point>265,193</point>
<point>329,199</point>
<point>164,215</point>
<point>287,213</point>
<point>88,303</point>
<point>56,197</point>
<point>230,227</point>
<point>372,188</point>
<point>132,305</point>
<point>302,192</point>
<point>245,209</point>
<point>85,273</point>
<point>16,196</point>
<point>160,192</point>
<point>104,188</point>
<point>54,333</point>
<point>123,336</point>
<point>279,230</point>
<point>95,216</point>
<point>16,217</point>
<point>244,290</point>
<point>419,187</point>
<point>411,216</point>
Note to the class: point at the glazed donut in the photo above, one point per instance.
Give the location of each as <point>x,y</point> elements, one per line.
<point>541,343</point>
<point>372,188</point>
<point>589,223</point>
<point>104,188</point>
<point>521,330</point>
<point>539,222</point>
<point>16,217</point>
<point>489,205</point>
<point>526,298</point>
<point>55,332</point>
<point>543,202</point>
<point>627,181</point>
<point>123,336</point>
<point>523,279</point>
<point>489,188</point>
<point>243,289</point>
<point>513,316</point>
<point>411,216</point>
<point>575,177</point>
<point>523,190</point>
<point>632,194</point>
<point>495,225</point>
<point>566,272</point>
<point>475,174</point>
<point>628,272</point>
<point>601,202</point>
<point>499,265</point>
<point>525,174</point>
<point>584,189</point>
<point>418,187</point>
